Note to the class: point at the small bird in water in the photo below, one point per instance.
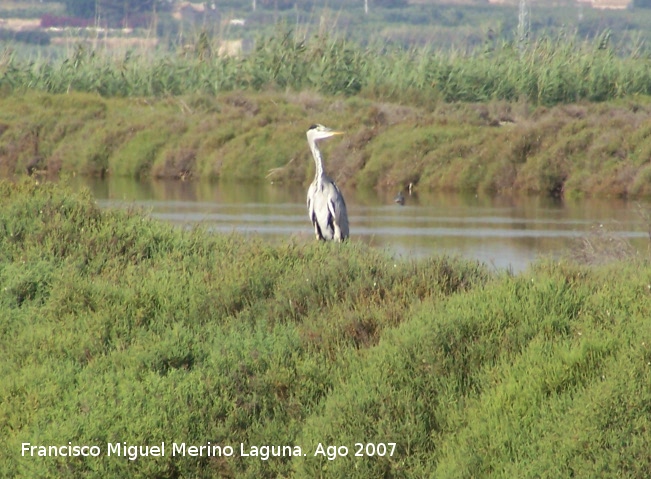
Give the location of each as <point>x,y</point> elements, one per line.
<point>325,203</point>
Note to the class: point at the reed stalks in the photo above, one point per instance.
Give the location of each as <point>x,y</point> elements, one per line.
<point>546,71</point>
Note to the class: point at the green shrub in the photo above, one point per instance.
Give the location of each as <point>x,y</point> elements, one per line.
<point>116,328</point>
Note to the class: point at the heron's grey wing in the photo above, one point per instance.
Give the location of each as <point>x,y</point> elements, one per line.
<point>341,216</point>
<point>340,213</point>
<point>338,216</point>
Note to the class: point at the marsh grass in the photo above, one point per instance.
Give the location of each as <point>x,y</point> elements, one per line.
<point>119,328</point>
<point>581,149</point>
<point>241,336</point>
<point>512,379</point>
<point>550,70</point>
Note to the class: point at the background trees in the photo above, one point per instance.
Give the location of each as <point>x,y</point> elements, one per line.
<point>115,12</point>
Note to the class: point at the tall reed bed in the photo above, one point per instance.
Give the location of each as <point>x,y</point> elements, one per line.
<point>550,70</point>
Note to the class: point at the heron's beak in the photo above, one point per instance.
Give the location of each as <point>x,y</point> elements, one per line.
<point>333,133</point>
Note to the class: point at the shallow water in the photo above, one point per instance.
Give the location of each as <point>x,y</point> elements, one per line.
<point>502,232</point>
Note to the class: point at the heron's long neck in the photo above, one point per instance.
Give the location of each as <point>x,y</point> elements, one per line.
<point>318,160</point>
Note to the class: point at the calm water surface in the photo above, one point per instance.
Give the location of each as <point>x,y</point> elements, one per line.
<point>502,232</point>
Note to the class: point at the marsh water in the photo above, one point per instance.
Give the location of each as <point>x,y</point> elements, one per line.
<point>502,232</point>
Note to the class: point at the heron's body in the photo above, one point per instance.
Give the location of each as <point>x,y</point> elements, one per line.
<point>325,203</point>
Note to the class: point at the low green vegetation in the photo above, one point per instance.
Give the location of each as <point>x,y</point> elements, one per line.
<point>494,147</point>
<point>119,329</point>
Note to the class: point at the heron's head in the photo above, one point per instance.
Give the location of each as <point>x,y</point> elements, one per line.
<point>319,132</point>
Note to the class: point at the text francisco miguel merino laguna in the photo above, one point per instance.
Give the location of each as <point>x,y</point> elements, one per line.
<point>122,449</point>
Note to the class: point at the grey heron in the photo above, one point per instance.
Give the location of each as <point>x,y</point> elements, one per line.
<point>325,203</point>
